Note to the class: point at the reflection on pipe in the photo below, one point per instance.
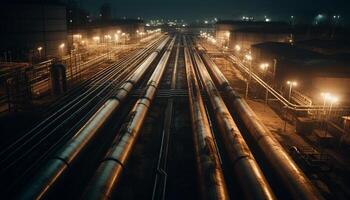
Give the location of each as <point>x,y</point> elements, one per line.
<point>250,177</point>
<point>298,185</point>
<point>211,178</point>
<point>110,169</point>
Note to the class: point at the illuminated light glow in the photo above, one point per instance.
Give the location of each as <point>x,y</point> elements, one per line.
<point>264,66</point>
<point>96,38</point>
<point>267,20</point>
<point>292,83</point>
<point>62,45</point>
<point>40,48</point>
<point>329,97</point>
<point>249,57</point>
<point>119,31</point>
<point>237,47</point>
<point>77,36</point>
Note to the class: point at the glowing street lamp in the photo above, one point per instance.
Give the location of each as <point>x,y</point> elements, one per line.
<point>264,66</point>
<point>61,47</point>
<point>96,39</point>
<point>39,50</point>
<point>291,85</point>
<point>238,48</point>
<point>328,97</point>
<point>249,57</point>
<point>325,96</point>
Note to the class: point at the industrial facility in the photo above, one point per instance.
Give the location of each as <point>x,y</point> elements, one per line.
<point>150,100</point>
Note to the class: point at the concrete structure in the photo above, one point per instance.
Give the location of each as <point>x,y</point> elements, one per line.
<point>27,26</point>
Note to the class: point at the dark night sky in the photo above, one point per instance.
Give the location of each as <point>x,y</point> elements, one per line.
<point>199,9</point>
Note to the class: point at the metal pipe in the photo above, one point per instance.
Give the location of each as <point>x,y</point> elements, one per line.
<point>296,182</point>
<point>210,175</point>
<point>110,169</point>
<point>61,161</point>
<point>248,172</point>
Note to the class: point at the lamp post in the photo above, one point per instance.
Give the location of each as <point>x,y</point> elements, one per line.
<point>291,85</point>
<point>249,58</point>
<point>228,38</point>
<point>61,47</point>
<point>264,67</point>
<point>237,49</point>
<point>332,100</point>
<point>39,50</point>
<point>274,72</point>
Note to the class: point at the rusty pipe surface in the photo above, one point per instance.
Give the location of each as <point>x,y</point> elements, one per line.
<point>296,182</point>
<point>250,177</point>
<point>210,174</point>
<point>110,169</point>
<point>61,161</point>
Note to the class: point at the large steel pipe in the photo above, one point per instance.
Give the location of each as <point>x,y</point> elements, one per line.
<point>61,161</point>
<point>210,174</point>
<point>110,169</point>
<point>296,182</point>
<point>250,177</point>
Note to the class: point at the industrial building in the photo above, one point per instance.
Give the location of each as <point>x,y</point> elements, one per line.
<point>315,72</point>
<point>246,33</point>
<point>228,32</point>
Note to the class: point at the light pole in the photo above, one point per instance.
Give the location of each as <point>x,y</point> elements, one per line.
<point>61,47</point>
<point>264,67</point>
<point>325,96</point>
<point>39,50</point>
<point>291,85</point>
<point>228,38</point>
<point>249,58</point>
<point>237,49</point>
<point>332,100</point>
